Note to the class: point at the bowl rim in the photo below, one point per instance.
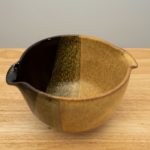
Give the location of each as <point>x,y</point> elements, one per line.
<point>74,99</point>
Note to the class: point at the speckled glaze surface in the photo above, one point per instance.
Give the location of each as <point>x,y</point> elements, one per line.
<point>73,83</point>
<point>66,72</point>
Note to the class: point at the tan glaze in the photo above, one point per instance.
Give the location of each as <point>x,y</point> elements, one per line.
<point>81,87</point>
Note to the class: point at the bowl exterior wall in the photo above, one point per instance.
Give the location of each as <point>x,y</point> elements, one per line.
<point>73,115</point>
<point>84,115</point>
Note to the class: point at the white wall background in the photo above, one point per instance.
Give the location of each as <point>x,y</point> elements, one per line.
<point>123,22</point>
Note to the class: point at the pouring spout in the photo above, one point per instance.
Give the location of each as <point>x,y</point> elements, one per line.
<point>12,74</point>
<point>132,62</point>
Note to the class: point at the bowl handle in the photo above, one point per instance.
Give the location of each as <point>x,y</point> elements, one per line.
<point>132,61</point>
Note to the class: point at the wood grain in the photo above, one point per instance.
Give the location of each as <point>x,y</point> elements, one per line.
<point>128,129</point>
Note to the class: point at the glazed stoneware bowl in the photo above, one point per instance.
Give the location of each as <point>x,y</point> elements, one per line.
<point>73,83</point>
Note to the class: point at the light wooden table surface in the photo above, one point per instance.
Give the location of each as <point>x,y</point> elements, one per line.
<point>128,129</point>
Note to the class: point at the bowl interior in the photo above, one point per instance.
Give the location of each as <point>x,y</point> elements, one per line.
<point>73,66</point>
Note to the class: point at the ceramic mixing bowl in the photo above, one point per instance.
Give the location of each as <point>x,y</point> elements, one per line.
<point>73,83</point>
